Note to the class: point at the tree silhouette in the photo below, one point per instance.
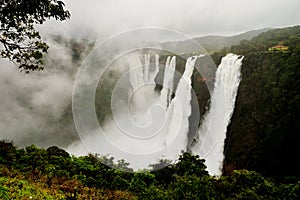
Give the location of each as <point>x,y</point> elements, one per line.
<point>22,43</point>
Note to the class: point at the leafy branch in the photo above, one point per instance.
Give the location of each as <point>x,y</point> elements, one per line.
<point>22,43</point>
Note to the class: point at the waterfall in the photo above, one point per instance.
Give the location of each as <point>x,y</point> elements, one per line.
<point>180,110</point>
<point>152,125</point>
<point>154,73</point>
<point>146,74</point>
<point>147,125</point>
<point>168,82</point>
<point>212,132</point>
<point>173,136</point>
<point>137,79</point>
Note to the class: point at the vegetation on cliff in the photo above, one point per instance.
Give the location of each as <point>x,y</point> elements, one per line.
<point>264,132</point>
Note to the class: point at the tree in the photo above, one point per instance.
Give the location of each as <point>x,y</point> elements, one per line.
<point>190,165</point>
<point>22,43</point>
<point>7,152</point>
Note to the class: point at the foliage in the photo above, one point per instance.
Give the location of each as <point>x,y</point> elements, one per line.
<point>14,188</point>
<point>264,131</point>
<point>261,43</point>
<point>54,174</point>
<point>21,41</point>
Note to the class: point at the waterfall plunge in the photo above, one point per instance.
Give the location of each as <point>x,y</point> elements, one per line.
<point>172,135</point>
<point>168,83</point>
<point>147,125</point>
<point>177,110</point>
<point>212,132</point>
<point>180,109</point>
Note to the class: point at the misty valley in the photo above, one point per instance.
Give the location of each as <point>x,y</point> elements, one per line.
<point>135,116</point>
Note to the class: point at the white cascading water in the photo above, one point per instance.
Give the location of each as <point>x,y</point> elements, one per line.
<point>146,74</point>
<point>172,136</point>
<point>212,132</point>
<point>180,110</point>
<point>150,125</point>
<point>166,92</point>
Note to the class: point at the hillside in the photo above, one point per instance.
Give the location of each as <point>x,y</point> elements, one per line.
<point>212,43</point>
<point>264,131</point>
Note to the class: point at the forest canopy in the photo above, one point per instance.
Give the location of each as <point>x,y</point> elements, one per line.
<point>54,174</point>
<point>21,42</point>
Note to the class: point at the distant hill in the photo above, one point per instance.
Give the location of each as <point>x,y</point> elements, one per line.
<point>212,43</point>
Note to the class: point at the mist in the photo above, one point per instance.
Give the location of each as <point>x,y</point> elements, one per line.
<point>194,18</point>
<point>33,105</point>
<point>35,108</point>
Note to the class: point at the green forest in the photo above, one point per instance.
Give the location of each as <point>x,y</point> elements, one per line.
<point>34,173</point>
<point>265,129</point>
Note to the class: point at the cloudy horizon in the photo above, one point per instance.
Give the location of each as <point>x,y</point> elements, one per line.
<point>193,18</point>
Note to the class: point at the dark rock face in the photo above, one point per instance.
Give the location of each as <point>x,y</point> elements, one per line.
<point>264,131</point>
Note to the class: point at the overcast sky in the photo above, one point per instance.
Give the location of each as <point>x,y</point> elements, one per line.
<point>192,17</point>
